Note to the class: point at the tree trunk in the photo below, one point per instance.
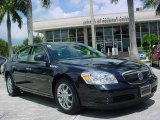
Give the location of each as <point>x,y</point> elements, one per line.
<point>9,36</point>
<point>30,22</point>
<point>132,33</point>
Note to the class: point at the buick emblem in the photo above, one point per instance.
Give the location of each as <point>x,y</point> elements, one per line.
<point>140,76</point>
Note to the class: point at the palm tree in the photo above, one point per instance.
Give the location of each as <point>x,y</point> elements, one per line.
<point>152,4</point>
<point>150,40</point>
<point>11,9</point>
<point>28,3</point>
<point>132,33</point>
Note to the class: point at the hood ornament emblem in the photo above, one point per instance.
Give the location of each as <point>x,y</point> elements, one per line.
<point>140,75</point>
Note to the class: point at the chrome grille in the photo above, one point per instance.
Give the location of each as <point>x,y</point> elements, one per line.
<point>133,76</point>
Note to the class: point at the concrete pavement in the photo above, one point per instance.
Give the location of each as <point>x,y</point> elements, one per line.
<point>33,107</point>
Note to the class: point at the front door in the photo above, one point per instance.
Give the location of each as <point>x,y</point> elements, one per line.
<point>39,72</point>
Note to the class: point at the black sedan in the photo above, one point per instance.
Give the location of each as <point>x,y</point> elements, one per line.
<point>78,76</point>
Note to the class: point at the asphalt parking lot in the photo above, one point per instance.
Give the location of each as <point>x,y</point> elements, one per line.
<point>33,107</point>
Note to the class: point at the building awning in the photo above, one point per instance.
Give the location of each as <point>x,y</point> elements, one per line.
<point>103,19</point>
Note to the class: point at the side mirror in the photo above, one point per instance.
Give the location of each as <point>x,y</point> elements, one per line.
<point>41,58</point>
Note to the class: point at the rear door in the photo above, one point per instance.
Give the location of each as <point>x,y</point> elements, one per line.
<point>39,71</point>
<point>19,65</point>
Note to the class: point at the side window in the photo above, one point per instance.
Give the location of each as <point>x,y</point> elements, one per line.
<point>38,54</point>
<point>23,55</point>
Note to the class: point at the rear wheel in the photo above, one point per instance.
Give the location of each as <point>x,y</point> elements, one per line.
<point>66,97</point>
<point>11,88</point>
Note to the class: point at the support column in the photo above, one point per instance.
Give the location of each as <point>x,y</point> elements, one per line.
<point>85,35</point>
<point>92,24</point>
<point>44,37</point>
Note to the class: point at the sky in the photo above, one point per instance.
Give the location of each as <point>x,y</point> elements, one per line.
<point>61,9</point>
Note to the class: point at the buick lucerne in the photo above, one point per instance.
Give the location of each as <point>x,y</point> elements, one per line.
<point>78,76</point>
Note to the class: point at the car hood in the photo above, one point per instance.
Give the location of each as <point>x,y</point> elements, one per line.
<point>110,65</point>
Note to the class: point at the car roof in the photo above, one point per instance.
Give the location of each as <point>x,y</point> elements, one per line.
<point>54,43</point>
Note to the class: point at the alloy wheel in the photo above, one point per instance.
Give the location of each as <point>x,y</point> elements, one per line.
<point>9,85</point>
<point>65,96</point>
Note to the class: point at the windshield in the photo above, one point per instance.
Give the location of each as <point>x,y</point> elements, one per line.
<point>73,51</point>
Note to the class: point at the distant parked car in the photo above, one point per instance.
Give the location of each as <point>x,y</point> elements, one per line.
<point>2,61</point>
<point>155,56</point>
<point>142,55</point>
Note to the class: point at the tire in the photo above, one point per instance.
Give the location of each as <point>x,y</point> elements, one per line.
<point>11,88</point>
<point>66,97</point>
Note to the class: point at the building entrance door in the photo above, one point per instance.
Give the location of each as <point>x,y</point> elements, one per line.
<point>106,47</point>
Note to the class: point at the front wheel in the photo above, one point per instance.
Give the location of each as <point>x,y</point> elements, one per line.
<point>11,88</point>
<point>66,97</point>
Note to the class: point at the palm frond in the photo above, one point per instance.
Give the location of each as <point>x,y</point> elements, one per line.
<point>16,18</point>
<point>158,10</point>
<point>150,3</point>
<point>2,14</point>
<point>21,6</point>
<point>2,11</point>
<point>114,1</point>
<point>46,3</point>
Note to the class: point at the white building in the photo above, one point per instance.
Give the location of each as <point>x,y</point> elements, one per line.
<point>111,29</point>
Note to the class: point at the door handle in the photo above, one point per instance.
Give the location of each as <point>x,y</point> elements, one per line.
<point>28,69</point>
<point>13,67</point>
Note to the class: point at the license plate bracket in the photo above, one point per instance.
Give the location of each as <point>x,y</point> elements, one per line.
<point>145,90</point>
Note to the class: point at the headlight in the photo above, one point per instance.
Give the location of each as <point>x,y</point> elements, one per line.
<point>98,77</point>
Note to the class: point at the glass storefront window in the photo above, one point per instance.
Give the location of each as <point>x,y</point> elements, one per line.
<point>116,30</point>
<point>138,42</point>
<point>72,33</point>
<point>99,35</point>
<point>64,35</point>
<point>80,32</point>
<point>49,36</point>
<point>99,32</point>
<point>144,29</point>
<point>80,35</point>
<point>159,28</point>
<point>108,31</point>
<point>57,40</point>
<point>57,36</point>
<point>108,38</point>
<point>138,33</point>
<point>89,36</point>
<point>125,37</point>
<point>80,39</point>
<point>125,29</point>
<point>89,32</point>
<point>153,28</point>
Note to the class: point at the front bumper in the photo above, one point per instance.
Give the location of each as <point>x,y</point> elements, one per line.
<point>114,96</point>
